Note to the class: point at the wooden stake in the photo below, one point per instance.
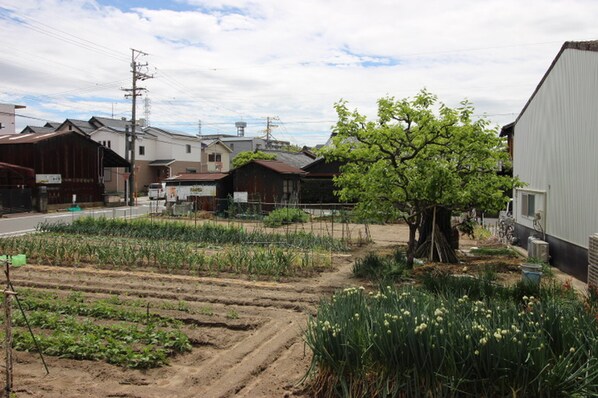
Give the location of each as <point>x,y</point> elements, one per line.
<point>433,230</point>
<point>8,293</point>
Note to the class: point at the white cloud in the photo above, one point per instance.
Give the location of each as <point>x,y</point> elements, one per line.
<point>234,59</point>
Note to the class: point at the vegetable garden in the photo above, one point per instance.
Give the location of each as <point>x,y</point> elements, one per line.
<point>454,337</point>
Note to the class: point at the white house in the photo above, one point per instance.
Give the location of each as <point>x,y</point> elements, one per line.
<point>215,157</point>
<point>555,153</point>
<point>7,118</point>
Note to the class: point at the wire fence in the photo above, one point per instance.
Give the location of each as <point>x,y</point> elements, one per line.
<point>335,220</point>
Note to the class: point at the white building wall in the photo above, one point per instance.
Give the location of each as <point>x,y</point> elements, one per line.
<point>7,119</point>
<point>556,148</point>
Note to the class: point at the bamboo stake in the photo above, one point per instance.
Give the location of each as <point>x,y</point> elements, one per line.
<point>433,230</point>
<point>8,293</point>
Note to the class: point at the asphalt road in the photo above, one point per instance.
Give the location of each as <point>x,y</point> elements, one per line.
<point>17,224</point>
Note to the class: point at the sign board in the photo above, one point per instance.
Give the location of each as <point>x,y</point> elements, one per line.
<point>171,194</point>
<point>240,197</point>
<point>182,192</point>
<point>48,179</point>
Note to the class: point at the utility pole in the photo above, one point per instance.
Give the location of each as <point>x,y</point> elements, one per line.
<point>134,92</point>
<point>269,127</point>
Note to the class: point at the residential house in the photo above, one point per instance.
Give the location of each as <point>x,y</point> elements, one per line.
<point>267,181</point>
<point>215,156</point>
<point>239,144</point>
<point>46,128</point>
<point>167,153</point>
<point>7,118</point>
<point>84,127</point>
<point>555,147</point>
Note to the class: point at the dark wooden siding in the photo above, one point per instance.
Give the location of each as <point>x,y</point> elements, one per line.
<point>262,184</point>
<point>77,159</point>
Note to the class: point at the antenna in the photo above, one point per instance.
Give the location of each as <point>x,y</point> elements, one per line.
<point>199,127</point>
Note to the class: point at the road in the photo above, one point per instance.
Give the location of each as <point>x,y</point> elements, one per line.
<point>17,224</point>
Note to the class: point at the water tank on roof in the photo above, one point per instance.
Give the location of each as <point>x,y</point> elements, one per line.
<point>241,128</point>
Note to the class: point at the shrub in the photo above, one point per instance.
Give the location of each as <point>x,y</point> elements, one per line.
<point>284,216</point>
<point>379,268</point>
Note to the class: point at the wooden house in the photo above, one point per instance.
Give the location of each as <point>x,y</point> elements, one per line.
<point>268,181</point>
<point>67,163</point>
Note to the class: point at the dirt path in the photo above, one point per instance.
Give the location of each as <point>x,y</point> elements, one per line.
<point>257,353</point>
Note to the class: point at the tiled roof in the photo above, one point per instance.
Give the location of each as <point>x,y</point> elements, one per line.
<point>114,124</point>
<point>38,129</point>
<point>295,159</point>
<point>279,167</point>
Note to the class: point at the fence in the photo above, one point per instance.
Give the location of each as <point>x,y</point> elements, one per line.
<point>336,220</point>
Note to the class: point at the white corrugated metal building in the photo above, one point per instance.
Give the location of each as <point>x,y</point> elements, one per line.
<point>555,152</point>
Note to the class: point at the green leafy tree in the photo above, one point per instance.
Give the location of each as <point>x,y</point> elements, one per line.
<point>243,158</point>
<point>417,156</point>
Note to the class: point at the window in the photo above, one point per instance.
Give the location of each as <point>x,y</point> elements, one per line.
<point>528,205</point>
<point>107,174</point>
<point>190,170</point>
<point>141,150</point>
<point>108,143</point>
<point>188,148</point>
<point>231,146</point>
<point>214,157</point>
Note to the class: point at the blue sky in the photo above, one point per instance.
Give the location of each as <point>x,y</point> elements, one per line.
<point>221,61</point>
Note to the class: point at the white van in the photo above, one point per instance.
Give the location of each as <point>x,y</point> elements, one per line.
<point>156,191</point>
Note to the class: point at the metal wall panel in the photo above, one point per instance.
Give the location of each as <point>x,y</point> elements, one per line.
<point>556,147</point>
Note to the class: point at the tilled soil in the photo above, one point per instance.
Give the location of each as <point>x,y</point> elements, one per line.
<point>258,352</point>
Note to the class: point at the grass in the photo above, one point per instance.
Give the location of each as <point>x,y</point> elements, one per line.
<point>414,342</point>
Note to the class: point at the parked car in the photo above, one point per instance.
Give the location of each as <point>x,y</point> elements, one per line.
<point>157,191</point>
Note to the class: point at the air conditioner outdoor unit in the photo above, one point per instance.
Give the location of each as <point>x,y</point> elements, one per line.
<point>538,249</point>
<point>593,261</point>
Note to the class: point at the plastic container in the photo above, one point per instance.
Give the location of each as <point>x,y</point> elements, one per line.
<point>18,260</point>
<point>531,273</point>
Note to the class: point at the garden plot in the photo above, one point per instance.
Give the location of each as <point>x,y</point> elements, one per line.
<point>246,332</point>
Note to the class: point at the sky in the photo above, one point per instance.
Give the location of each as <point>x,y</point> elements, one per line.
<point>216,62</point>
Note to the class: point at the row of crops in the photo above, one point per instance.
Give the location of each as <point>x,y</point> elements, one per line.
<point>418,342</point>
<point>185,232</point>
<point>72,327</point>
<point>66,249</point>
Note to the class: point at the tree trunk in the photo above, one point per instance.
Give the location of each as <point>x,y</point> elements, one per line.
<point>446,241</point>
<point>411,245</point>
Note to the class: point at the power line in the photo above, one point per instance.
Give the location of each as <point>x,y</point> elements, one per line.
<point>40,27</point>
